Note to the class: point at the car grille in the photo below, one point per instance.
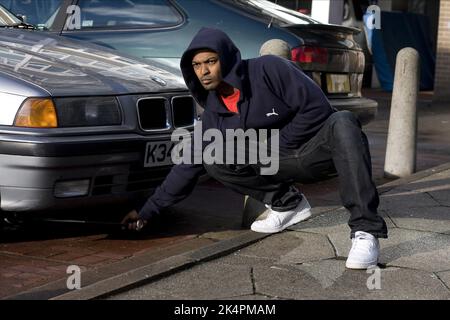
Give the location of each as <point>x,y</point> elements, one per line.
<point>160,113</point>
<point>183,111</point>
<point>153,114</point>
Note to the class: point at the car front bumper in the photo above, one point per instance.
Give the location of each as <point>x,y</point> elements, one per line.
<point>30,168</point>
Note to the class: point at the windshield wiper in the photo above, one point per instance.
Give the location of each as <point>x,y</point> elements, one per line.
<point>24,25</point>
<point>20,25</point>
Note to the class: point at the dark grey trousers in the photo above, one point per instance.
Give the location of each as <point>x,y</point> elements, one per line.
<point>339,148</point>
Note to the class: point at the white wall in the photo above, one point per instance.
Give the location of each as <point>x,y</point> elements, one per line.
<point>320,10</point>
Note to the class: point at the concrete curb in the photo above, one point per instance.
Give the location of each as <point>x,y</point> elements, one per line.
<point>163,268</point>
<point>414,177</point>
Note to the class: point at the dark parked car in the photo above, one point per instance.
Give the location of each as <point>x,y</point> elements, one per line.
<point>81,124</point>
<point>354,11</point>
<point>161,30</point>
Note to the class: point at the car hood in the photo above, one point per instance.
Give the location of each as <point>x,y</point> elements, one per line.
<point>64,67</point>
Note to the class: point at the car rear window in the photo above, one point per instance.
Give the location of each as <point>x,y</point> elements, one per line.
<point>127,14</point>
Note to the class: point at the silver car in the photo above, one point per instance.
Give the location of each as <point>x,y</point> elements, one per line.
<point>162,29</point>
<point>80,124</point>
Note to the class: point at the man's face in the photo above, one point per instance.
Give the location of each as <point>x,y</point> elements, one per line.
<point>206,65</point>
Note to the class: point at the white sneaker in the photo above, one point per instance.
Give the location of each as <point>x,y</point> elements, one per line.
<point>278,221</point>
<point>364,252</point>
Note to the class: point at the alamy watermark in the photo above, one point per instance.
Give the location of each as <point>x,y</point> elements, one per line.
<point>374,281</point>
<point>74,280</point>
<point>235,147</point>
<point>73,21</point>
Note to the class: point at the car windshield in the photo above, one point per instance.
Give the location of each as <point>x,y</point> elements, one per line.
<point>7,19</point>
<point>40,13</point>
<point>277,12</point>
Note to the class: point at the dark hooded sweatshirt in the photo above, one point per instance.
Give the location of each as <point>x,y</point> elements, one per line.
<point>267,84</point>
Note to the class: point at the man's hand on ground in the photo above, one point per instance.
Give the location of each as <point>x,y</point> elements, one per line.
<point>132,221</point>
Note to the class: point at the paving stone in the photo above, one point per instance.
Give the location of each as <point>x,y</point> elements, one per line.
<point>397,200</point>
<point>443,175</point>
<point>406,248</point>
<point>395,284</point>
<point>326,272</point>
<point>291,247</point>
<point>332,222</point>
<point>22,273</point>
<point>237,258</point>
<point>285,282</point>
<point>205,281</point>
<point>8,273</point>
<point>437,187</point>
<point>91,260</point>
<point>442,196</point>
<point>73,254</point>
<point>445,278</point>
<point>49,252</point>
<point>329,279</point>
<point>321,209</point>
<point>434,219</point>
<point>315,247</point>
<point>325,223</point>
<point>21,248</point>
<point>224,247</point>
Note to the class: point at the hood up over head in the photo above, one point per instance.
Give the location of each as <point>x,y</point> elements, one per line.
<point>230,61</point>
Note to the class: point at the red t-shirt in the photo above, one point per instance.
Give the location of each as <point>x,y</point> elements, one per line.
<point>232,100</point>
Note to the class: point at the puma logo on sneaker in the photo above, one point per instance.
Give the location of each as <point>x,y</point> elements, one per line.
<point>278,221</point>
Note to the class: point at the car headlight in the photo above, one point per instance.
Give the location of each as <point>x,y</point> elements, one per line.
<point>69,112</point>
<point>88,111</point>
<point>37,113</point>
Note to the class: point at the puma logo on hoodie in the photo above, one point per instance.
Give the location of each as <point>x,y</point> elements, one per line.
<point>273,113</point>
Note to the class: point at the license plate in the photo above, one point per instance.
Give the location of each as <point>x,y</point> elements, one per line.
<point>338,83</point>
<point>158,153</point>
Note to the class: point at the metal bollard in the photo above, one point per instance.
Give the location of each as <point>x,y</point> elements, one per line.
<point>276,47</point>
<point>400,158</point>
